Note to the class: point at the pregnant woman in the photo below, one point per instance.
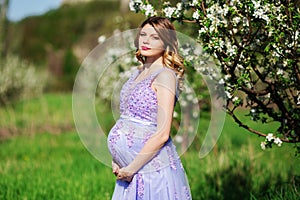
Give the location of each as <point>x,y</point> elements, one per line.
<point>145,160</point>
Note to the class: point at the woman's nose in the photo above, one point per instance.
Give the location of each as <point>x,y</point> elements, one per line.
<point>146,40</point>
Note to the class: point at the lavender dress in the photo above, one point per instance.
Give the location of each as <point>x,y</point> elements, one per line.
<point>163,177</point>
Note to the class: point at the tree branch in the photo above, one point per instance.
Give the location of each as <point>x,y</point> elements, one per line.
<point>255,92</point>
<point>241,124</point>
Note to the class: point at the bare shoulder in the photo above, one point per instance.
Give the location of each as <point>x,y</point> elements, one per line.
<point>166,75</point>
<point>165,80</point>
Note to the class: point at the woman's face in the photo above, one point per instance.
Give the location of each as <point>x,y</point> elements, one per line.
<point>150,44</point>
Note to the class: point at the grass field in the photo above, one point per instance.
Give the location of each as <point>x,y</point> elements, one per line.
<point>43,165</point>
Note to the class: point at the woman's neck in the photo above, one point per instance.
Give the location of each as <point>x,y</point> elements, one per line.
<point>152,63</point>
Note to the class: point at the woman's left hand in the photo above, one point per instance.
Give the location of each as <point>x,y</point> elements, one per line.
<point>125,175</point>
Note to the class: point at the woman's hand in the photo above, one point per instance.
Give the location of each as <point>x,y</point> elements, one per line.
<point>115,168</point>
<point>125,174</point>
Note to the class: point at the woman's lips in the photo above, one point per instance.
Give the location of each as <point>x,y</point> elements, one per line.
<point>145,48</point>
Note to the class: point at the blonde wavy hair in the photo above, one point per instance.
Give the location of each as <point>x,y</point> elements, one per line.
<point>167,34</point>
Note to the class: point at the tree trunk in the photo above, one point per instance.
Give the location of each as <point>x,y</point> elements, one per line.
<point>3,27</point>
<point>124,6</point>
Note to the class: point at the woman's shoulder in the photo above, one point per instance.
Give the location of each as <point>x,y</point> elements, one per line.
<point>167,74</point>
<point>166,77</point>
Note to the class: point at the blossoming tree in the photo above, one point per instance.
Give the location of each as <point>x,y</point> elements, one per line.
<point>256,44</point>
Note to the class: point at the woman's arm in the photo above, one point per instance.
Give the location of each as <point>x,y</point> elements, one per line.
<point>164,85</point>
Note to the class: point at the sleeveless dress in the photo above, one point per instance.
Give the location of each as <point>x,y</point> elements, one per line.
<point>163,177</point>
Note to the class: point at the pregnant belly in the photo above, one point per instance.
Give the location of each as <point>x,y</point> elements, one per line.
<point>126,139</point>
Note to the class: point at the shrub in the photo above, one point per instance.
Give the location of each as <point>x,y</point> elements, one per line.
<point>19,80</point>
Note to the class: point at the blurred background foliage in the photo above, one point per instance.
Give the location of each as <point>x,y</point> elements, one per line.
<point>36,79</point>
<point>59,40</point>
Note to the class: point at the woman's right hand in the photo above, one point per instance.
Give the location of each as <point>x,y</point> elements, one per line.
<point>115,168</point>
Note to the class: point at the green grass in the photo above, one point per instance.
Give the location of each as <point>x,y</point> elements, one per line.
<point>43,165</point>
<point>46,113</point>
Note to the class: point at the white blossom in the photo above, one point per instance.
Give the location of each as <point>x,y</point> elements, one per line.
<point>189,97</point>
<point>256,4</point>
<point>270,33</point>
<point>279,17</point>
<point>231,49</point>
<point>202,62</point>
<point>296,35</point>
<point>169,11</point>
<point>195,101</point>
<point>235,99</point>
<point>227,76</point>
<point>196,14</point>
<point>261,11</point>
<point>263,145</point>
<point>221,81</point>
<point>270,137</point>
<point>280,72</point>
<point>216,14</point>
<point>245,22</point>
<point>236,20</point>
<point>179,6</point>
<point>239,66</point>
<point>275,54</point>
<point>175,114</point>
<point>134,4</point>
<point>202,30</point>
<point>295,38</point>
<point>228,94</point>
<point>183,103</point>
<point>258,13</point>
<point>185,51</point>
<point>178,10</point>
<point>278,141</point>
<point>131,6</point>
<point>225,9</point>
<point>195,113</point>
<point>101,39</point>
<point>149,10</point>
<point>194,3</point>
<point>221,43</point>
<point>266,18</point>
<point>178,138</point>
<point>190,129</point>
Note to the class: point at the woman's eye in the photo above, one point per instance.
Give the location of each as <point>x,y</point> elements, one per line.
<point>142,34</point>
<point>156,38</point>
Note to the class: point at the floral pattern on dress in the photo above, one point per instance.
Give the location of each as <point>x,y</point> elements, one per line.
<point>186,191</point>
<point>171,158</point>
<point>131,103</point>
<point>147,135</point>
<point>129,136</point>
<point>141,187</point>
<point>114,136</point>
<point>156,163</point>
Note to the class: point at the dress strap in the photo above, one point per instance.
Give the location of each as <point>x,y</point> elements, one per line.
<point>134,74</point>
